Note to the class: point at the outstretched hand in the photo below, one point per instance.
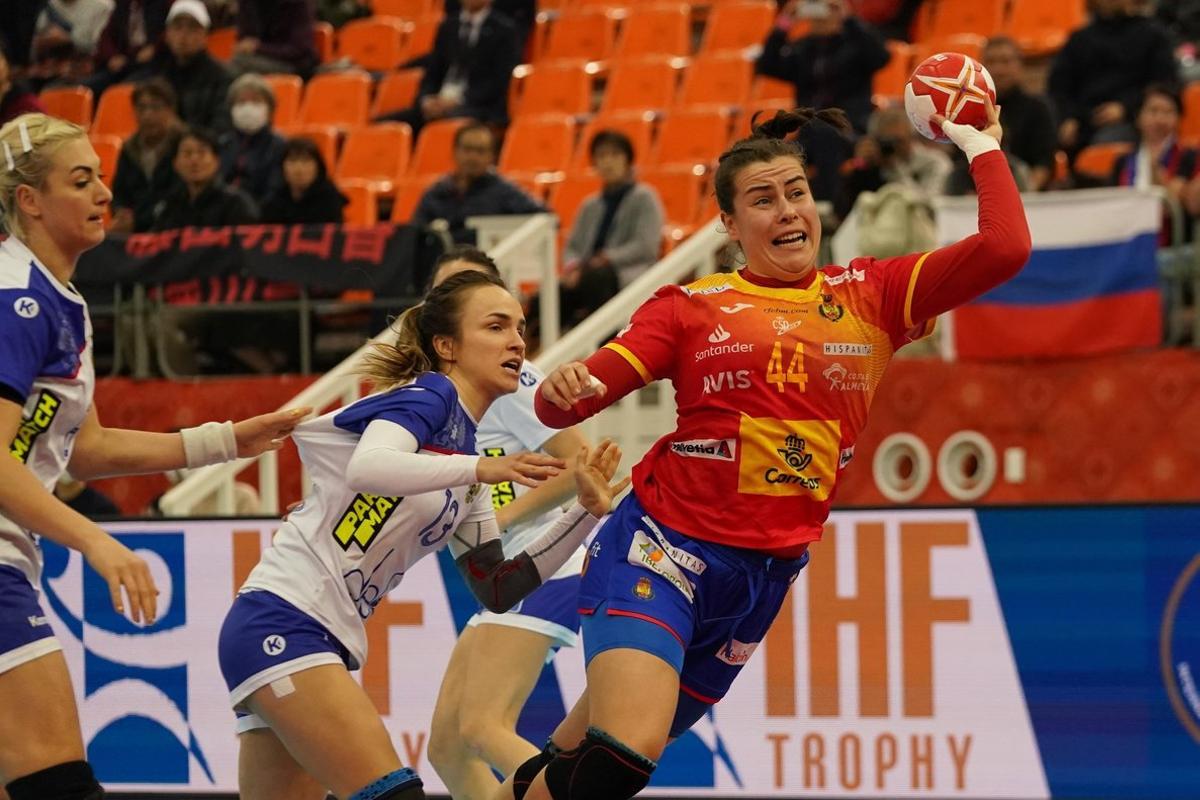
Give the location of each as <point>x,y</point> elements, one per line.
<point>257,435</point>
<point>593,471</point>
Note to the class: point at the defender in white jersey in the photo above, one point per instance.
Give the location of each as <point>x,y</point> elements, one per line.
<point>474,723</point>
<point>52,203</point>
<point>395,477</point>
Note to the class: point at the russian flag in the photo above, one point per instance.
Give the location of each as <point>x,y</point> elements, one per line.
<point>1091,285</point>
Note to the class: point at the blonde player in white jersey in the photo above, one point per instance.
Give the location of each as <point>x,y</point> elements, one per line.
<point>395,477</point>
<point>52,204</point>
<point>498,658</point>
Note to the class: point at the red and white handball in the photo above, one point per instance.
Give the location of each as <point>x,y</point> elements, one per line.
<point>953,85</point>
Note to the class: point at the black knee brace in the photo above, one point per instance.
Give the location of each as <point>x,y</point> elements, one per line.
<point>403,784</point>
<point>73,780</point>
<point>601,768</point>
<point>524,774</point>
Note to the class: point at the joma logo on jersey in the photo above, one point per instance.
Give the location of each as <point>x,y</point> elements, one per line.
<point>362,521</point>
<point>503,493</point>
<point>34,425</point>
<point>729,379</point>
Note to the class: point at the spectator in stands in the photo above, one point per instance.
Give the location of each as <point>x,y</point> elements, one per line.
<point>129,43</point>
<point>306,195</point>
<point>891,153</point>
<point>617,233</point>
<point>833,65</point>
<point>275,36</point>
<point>338,12</point>
<point>523,14</point>
<point>202,199</point>
<point>145,174</point>
<point>252,154</point>
<point>16,98</point>
<point>473,189</point>
<point>16,34</point>
<point>1098,77</point>
<point>199,80</point>
<point>468,71</point>
<point>66,34</point>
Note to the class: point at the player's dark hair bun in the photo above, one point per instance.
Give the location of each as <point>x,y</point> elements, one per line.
<point>786,123</point>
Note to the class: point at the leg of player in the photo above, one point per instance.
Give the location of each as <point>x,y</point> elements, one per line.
<point>41,753</point>
<point>631,704</point>
<point>568,734</point>
<point>329,725</point>
<point>267,771</point>
<point>504,669</point>
<point>464,773</point>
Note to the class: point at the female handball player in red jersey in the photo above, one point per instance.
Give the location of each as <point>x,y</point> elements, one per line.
<point>774,368</point>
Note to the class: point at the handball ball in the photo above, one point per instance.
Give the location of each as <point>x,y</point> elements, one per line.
<point>953,85</point>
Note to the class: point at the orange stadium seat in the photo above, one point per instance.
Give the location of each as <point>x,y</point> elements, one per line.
<point>434,153</point>
<point>639,127</point>
<point>419,37</point>
<point>679,190</point>
<point>717,80</point>
<point>325,137</point>
<point>288,90</point>
<point>765,88</point>
<point>969,44</point>
<point>221,42</point>
<point>584,34</point>
<point>363,208</point>
<point>72,103</point>
<point>108,148</point>
<point>690,138</point>
<point>538,144</point>
<point>1042,27</point>
<point>656,30</point>
<point>640,85</point>
<point>377,153</point>
<point>1098,160</point>
<point>114,114</point>
<point>736,26</point>
<point>323,41</point>
<point>341,99</point>
<point>888,83</point>
<point>564,88</point>
<point>374,43</point>
<point>396,91</point>
<point>1189,126</point>
<point>408,196</point>
<point>568,195</point>
<point>405,9</point>
<point>922,23</point>
<point>981,17</point>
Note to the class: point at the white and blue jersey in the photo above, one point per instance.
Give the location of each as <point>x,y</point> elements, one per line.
<point>341,551</point>
<point>45,364</point>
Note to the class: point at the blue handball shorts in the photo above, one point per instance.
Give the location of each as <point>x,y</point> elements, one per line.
<point>263,640</point>
<point>552,610</point>
<point>25,633</point>
<point>700,606</point>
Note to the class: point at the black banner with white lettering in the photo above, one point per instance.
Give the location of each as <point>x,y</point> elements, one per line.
<point>262,262</point>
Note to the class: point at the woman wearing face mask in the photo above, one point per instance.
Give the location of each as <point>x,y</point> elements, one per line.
<point>252,152</point>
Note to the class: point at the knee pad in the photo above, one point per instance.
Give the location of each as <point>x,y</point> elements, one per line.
<point>73,780</point>
<point>601,768</point>
<point>524,774</point>
<point>403,784</point>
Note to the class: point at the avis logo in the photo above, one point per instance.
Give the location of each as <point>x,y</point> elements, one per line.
<point>718,335</point>
<point>134,679</point>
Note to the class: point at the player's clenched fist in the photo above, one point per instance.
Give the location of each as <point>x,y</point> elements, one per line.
<point>570,383</point>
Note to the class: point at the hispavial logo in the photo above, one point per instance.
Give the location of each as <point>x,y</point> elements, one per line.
<point>718,335</point>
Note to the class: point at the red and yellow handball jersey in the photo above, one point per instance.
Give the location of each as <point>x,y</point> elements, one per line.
<point>773,385</point>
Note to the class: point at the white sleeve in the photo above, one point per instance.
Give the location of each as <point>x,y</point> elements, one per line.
<point>516,414</point>
<point>386,462</point>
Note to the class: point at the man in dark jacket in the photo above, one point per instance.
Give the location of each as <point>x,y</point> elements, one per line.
<point>467,73</point>
<point>1098,77</point>
<point>275,36</point>
<point>129,42</point>
<point>199,80</point>
<point>202,199</point>
<point>473,189</point>
<point>833,65</point>
<point>523,14</point>
<point>145,175</point>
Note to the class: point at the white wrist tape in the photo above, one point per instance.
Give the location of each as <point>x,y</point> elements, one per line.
<point>210,443</point>
<point>971,141</point>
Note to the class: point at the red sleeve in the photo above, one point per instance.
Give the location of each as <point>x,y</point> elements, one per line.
<point>641,353</point>
<point>958,273</point>
<point>917,289</point>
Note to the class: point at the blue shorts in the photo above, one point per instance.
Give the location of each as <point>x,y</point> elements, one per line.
<point>701,607</point>
<point>264,639</point>
<point>25,633</point>
<point>552,610</point>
